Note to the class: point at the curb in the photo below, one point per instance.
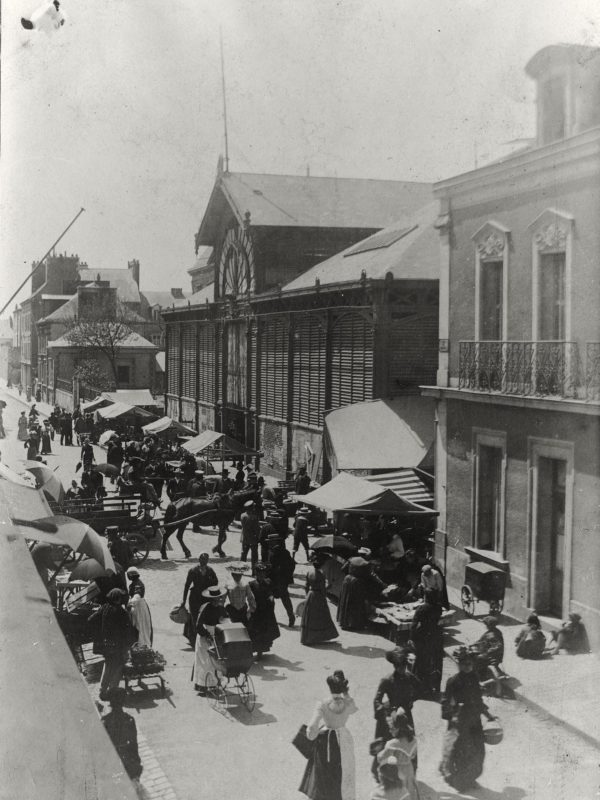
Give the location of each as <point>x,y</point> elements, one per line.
<point>522,698</point>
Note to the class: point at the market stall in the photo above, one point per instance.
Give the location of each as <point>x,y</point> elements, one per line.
<point>216,446</point>
<point>168,428</point>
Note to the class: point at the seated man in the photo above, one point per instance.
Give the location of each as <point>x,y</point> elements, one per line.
<point>572,637</point>
<point>489,654</point>
<point>530,641</point>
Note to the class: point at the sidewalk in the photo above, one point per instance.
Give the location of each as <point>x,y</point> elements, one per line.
<point>565,688</point>
<point>45,409</point>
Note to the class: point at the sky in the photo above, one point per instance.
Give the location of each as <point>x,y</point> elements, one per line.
<point>120,111</point>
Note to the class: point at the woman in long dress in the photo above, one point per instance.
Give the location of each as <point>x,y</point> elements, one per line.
<point>262,625</point>
<point>462,706</point>
<point>316,625</point>
<point>141,619</point>
<point>22,427</point>
<point>427,637</point>
<point>209,616</point>
<point>353,607</point>
<point>330,770</point>
<point>403,747</point>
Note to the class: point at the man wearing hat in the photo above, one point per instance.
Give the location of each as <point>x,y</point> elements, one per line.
<point>176,486</point>
<point>301,530</point>
<point>242,602</point>
<point>282,574</point>
<point>119,549</point>
<point>224,484</point>
<point>115,637</point>
<point>398,690</point>
<point>196,487</point>
<point>302,481</point>
<point>250,532</point>
<point>199,578</point>
<point>136,585</point>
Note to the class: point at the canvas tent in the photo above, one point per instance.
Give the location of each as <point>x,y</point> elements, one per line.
<point>349,493</point>
<point>222,444</point>
<point>381,435</point>
<point>123,409</point>
<point>165,424</point>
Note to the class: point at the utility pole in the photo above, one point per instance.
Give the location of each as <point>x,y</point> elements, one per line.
<point>224,101</point>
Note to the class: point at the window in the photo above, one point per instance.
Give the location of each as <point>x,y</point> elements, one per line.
<point>553,109</point>
<point>491,300</point>
<point>489,505</point>
<point>489,489</point>
<point>552,296</point>
<point>123,374</point>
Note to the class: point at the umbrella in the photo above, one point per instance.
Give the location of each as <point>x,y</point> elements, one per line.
<point>89,569</point>
<point>47,480</point>
<point>106,469</point>
<point>63,530</point>
<point>337,544</point>
<point>106,436</point>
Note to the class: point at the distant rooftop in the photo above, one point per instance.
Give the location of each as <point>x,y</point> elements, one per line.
<point>134,340</point>
<point>121,279</point>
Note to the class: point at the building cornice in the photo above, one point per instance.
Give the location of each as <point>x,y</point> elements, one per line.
<point>556,404</point>
<point>570,159</point>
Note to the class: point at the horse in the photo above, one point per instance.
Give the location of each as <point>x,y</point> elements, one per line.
<point>182,511</point>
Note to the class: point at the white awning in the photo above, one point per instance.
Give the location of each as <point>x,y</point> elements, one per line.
<point>166,423</point>
<point>405,483</point>
<point>121,409</point>
<point>135,397</point>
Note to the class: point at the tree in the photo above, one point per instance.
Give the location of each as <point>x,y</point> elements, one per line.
<point>102,325</point>
<point>91,374</point>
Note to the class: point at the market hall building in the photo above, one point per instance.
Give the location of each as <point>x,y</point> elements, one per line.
<point>518,388</point>
<point>325,293</point>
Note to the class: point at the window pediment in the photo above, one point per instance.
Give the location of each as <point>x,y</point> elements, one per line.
<point>491,240</point>
<point>551,230</point>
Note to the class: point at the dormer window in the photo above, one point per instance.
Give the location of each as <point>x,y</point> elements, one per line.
<point>553,116</point>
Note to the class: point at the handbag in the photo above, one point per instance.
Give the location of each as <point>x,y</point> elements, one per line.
<point>302,743</point>
<point>179,614</point>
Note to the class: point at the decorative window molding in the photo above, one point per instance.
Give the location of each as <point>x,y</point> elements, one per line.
<point>491,244</point>
<point>551,232</point>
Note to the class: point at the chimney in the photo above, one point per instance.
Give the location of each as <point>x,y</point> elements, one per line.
<point>177,293</point>
<point>134,268</point>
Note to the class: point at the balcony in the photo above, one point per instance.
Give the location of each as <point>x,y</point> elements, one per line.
<point>530,369</point>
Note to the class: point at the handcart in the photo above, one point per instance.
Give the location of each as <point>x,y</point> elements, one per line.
<point>483,582</point>
<point>144,663</point>
<point>231,656</point>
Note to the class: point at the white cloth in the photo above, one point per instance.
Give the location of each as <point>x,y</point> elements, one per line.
<point>404,752</point>
<point>141,619</point>
<point>203,663</point>
<point>332,714</point>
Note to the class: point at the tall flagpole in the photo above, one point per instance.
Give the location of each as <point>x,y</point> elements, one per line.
<point>224,101</point>
<point>43,258</point>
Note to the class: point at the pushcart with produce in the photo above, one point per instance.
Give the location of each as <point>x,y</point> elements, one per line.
<point>483,582</point>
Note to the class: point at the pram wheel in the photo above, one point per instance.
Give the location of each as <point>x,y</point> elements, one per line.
<point>245,688</point>
<point>215,692</point>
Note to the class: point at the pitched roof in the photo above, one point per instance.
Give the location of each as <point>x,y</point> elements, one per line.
<point>134,340</point>
<point>196,299</point>
<point>312,202</point>
<point>409,250</point>
<point>120,279</point>
<point>161,299</point>
<point>69,310</point>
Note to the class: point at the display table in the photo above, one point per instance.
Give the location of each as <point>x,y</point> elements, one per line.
<point>397,619</point>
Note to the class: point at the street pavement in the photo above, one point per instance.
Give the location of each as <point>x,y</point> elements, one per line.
<point>192,750</point>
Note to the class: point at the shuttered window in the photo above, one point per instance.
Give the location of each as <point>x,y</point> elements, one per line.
<point>189,360</point>
<point>412,358</point>
<point>252,366</point>
<point>173,384</point>
<point>309,344</point>
<point>274,367</point>
<point>206,363</point>
<point>351,360</point>
<point>237,356</point>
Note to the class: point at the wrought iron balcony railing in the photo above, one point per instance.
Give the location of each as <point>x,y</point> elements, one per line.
<point>538,369</point>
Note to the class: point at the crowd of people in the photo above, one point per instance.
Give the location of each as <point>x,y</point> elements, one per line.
<point>382,566</point>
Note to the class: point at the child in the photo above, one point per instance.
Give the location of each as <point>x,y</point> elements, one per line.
<point>390,785</point>
<point>402,747</point>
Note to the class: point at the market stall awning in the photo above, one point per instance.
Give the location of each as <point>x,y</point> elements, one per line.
<point>97,402</point>
<point>165,424</point>
<point>134,397</point>
<point>23,502</point>
<point>349,493</point>
<point>220,442</point>
<point>404,482</point>
<point>381,434</point>
<point>122,409</point>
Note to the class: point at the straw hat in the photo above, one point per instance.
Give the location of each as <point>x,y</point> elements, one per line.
<point>214,593</point>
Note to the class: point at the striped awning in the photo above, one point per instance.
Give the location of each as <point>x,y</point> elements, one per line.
<point>405,483</point>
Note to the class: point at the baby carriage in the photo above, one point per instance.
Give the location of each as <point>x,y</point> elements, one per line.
<point>231,656</point>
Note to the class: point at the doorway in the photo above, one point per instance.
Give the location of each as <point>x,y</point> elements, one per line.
<point>551,534</point>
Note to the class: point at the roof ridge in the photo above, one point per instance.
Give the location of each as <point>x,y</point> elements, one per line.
<point>325,178</point>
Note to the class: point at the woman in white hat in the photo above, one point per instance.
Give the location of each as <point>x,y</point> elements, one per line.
<point>209,616</point>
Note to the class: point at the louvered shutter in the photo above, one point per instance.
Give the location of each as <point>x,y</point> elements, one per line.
<point>173,384</point>
<point>206,363</point>
<point>252,366</point>
<point>189,359</point>
<point>309,371</point>
<point>274,368</point>
<point>351,360</point>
